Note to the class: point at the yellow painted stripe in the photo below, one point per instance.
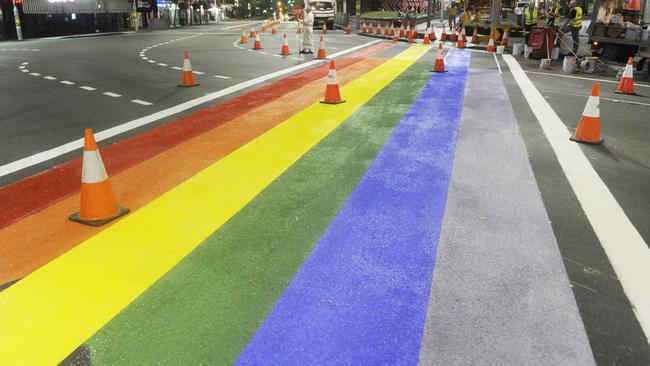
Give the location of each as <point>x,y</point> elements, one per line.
<point>46,315</point>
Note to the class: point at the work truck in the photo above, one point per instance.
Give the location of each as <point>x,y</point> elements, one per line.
<point>619,29</point>
<point>324,12</point>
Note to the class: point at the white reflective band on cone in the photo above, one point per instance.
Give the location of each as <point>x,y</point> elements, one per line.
<point>93,170</point>
<point>591,108</point>
<point>187,66</point>
<point>331,78</point>
<point>628,71</point>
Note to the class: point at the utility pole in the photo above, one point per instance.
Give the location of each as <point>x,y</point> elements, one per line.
<point>19,30</point>
<point>495,14</point>
<point>429,5</point>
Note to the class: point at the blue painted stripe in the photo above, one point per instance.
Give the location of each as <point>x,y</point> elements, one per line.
<point>361,296</point>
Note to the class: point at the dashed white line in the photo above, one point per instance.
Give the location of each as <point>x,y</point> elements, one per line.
<point>145,58</point>
<point>34,74</point>
<point>296,58</point>
<point>177,68</point>
<point>22,66</point>
<point>49,77</point>
<point>161,64</point>
<point>198,72</point>
<point>24,70</point>
<point>89,88</point>
<point>110,94</point>
<point>222,77</point>
<point>25,63</point>
<point>66,82</point>
<point>262,53</point>
<point>497,61</point>
<point>151,61</point>
<point>142,102</point>
<point>277,55</point>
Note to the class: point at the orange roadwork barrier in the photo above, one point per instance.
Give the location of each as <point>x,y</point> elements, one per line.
<point>475,36</point>
<point>588,130</point>
<point>409,34</point>
<point>244,39</point>
<point>634,5</point>
<point>258,44</point>
<point>387,30</point>
<point>439,63</point>
<point>332,93</point>
<point>98,203</point>
<point>490,47</point>
<point>463,34</point>
<point>285,47</point>
<point>443,36</point>
<point>626,85</point>
<point>187,76</point>
<point>322,54</point>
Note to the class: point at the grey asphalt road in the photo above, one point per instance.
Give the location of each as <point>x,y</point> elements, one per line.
<point>55,88</point>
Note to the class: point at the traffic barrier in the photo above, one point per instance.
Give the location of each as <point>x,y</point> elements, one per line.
<point>634,5</point>
<point>395,38</point>
<point>626,85</point>
<point>432,34</point>
<point>463,34</point>
<point>490,47</point>
<point>258,44</point>
<point>332,93</point>
<point>588,130</point>
<point>504,39</point>
<point>285,51</point>
<point>443,36</point>
<point>475,39</point>
<point>439,63</point>
<point>321,50</point>
<point>187,76</point>
<point>409,34</point>
<point>98,203</point>
<point>244,39</point>
<point>264,26</point>
<point>415,31</point>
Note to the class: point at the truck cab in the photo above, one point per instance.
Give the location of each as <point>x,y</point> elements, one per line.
<point>324,12</point>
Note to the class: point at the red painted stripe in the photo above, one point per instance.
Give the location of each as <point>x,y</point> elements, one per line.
<point>34,193</point>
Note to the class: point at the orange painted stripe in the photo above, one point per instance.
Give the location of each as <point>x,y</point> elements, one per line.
<point>37,239</point>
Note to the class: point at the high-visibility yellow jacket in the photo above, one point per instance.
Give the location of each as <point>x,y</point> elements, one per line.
<point>477,16</point>
<point>465,17</point>
<point>577,21</point>
<point>531,20</point>
<point>555,12</point>
<point>453,11</point>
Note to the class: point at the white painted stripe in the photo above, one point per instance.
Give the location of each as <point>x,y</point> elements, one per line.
<point>128,126</point>
<point>145,58</point>
<point>151,61</point>
<point>583,78</point>
<point>93,170</point>
<point>49,77</point>
<point>222,77</point>
<point>67,82</point>
<point>177,68</point>
<point>89,88</point>
<point>198,72</point>
<point>161,64</point>
<point>34,74</point>
<point>240,25</point>
<point>25,63</point>
<point>296,58</point>
<point>627,251</point>
<point>601,98</point>
<point>111,94</point>
<point>262,52</point>
<point>497,62</point>
<point>22,66</point>
<point>277,55</point>
<point>24,70</point>
<point>138,101</point>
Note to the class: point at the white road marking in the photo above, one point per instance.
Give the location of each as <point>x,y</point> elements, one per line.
<point>145,58</point>
<point>177,68</point>
<point>241,25</point>
<point>49,77</point>
<point>67,82</point>
<point>296,58</point>
<point>142,102</point>
<point>250,49</point>
<point>34,74</point>
<point>111,94</point>
<point>262,53</point>
<point>25,63</point>
<point>583,78</point>
<point>198,72</point>
<point>161,64</point>
<point>151,61</point>
<point>601,98</point>
<point>89,88</point>
<point>627,251</point>
<point>222,77</point>
<point>497,62</point>
<point>24,70</point>
<point>22,66</point>
<point>143,121</point>
<point>277,55</point>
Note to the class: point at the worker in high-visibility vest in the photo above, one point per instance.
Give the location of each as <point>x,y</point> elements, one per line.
<point>574,24</point>
<point>530,18</point>
<point>465,18</point>
<point>452,10</point>
<point>553,15</point>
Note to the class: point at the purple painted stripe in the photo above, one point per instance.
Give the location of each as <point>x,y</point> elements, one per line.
<point>361,296</point>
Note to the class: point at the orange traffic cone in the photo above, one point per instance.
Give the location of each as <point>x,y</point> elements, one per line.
<point>415,31</point>
<point>332,94</point>
<point>258,44</point>
<point>443,36</point>
<point>454,36</point>
<point>387,30</point>
<point>378,28</point>
<point>395,38</point>
<point>409,34</point>
<point>98,203</point>
<point>285,47</point>
<point>273,31</point>
<point>392,30</point>
<point>364,29</point>
<point>426,37</point>
<point>475,36</point>
<point>490,47</point>
<point>432,34</point>
<point>626,86</point>
<point>460,43</point>
<point>463,34</point>
<point>252,33</point>
<point>588,130</point>
<point>244,39</point>
<point>263,26</point>
<point>401,31</point>
<point>439,64</point>
<point>187,76</point>
<point>371,30</point>
<point>504,39</point>
<point>321,50</point>
<point>324,27</point>
<point>634,5</point>
<point>348,30</point>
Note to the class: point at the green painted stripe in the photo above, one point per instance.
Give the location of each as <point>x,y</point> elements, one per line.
<point>205,310</point>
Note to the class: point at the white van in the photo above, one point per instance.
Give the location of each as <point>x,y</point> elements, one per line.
<point>324,12</point>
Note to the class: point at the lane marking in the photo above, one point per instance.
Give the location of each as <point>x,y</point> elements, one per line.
<point>89,88</point>
<point>177,68</point>
<point>222,77</point>
<point>277,55</point>
<point>49,77</point>
<point>142,102</point>
<point>22,66</point>
<point>24,70</point>
<point>111,94</point>
<point>151,61</point>
<point>627,251</point>
<point>263,53</point>
<point>34,74</point>
<point>582,96</point>
<point>198,72</point>
<point>128,126</point>
<point>582,78</point>
<point>129,256</point>
<point>296,58</point>
<point>497,62</point>
<point>161,64</point>
<point>25,63</point>
<point>240,25</point>
<point>66,82</point>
